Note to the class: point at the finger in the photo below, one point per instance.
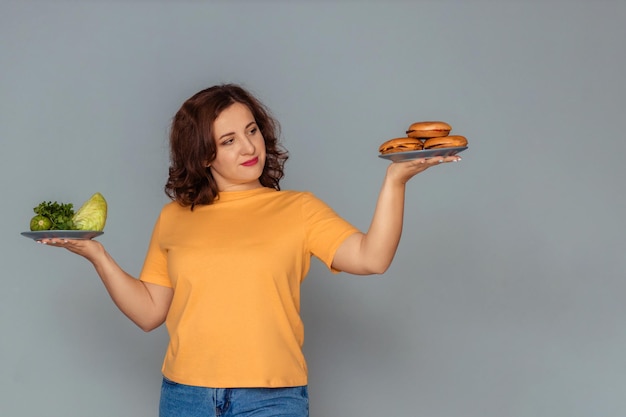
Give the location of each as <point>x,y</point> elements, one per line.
<point>443,159</point>
<point>54,242</point>
<point>422,164</point>
<point>453,158</point>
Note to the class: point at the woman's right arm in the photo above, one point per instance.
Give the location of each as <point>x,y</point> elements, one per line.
<point>144,303</point>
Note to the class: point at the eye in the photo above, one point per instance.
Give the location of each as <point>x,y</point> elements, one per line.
<point>228,141</point>
<point>253,131</point>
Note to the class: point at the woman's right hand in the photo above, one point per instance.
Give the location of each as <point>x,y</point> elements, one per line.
<point>144,303</point>
<point>87,248</point>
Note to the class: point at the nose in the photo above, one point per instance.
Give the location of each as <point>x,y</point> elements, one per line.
<point>247,147</point>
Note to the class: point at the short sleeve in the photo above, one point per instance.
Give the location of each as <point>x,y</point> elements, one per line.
<point>155,269</point>
<point>325,229</point>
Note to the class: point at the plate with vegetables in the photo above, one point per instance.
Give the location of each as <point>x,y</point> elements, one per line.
<point>59,220</point>
<point>62,234</point>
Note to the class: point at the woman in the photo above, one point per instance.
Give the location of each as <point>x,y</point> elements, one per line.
<point>228,254</point>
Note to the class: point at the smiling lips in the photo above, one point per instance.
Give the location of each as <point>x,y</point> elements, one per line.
<point>251,162</point>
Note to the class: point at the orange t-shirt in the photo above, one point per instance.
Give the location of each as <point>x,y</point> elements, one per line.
<point>236,267</point>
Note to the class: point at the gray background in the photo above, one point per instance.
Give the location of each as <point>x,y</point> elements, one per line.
<point>506,297</point>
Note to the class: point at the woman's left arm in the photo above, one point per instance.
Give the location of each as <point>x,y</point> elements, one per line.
<point>372,252</point>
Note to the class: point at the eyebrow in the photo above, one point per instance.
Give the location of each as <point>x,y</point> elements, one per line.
<point>232,133</point>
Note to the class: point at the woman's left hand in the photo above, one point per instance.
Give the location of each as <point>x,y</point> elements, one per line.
<point>372,252</point>
<point>405,170</point>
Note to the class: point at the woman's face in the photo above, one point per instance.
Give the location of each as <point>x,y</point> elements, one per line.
<point>240,156</point>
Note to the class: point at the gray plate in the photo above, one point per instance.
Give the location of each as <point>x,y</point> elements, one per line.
<point>62,234</point>
<point>428,153</point>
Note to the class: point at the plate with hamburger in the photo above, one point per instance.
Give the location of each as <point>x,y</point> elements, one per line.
<point>423,140</point>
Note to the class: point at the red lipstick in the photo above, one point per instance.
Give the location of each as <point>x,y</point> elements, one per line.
<point>251,162</point>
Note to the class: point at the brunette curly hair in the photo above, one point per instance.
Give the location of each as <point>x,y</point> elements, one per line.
<point>192,145</point>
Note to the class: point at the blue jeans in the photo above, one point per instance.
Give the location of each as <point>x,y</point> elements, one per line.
<point>178,400</point>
